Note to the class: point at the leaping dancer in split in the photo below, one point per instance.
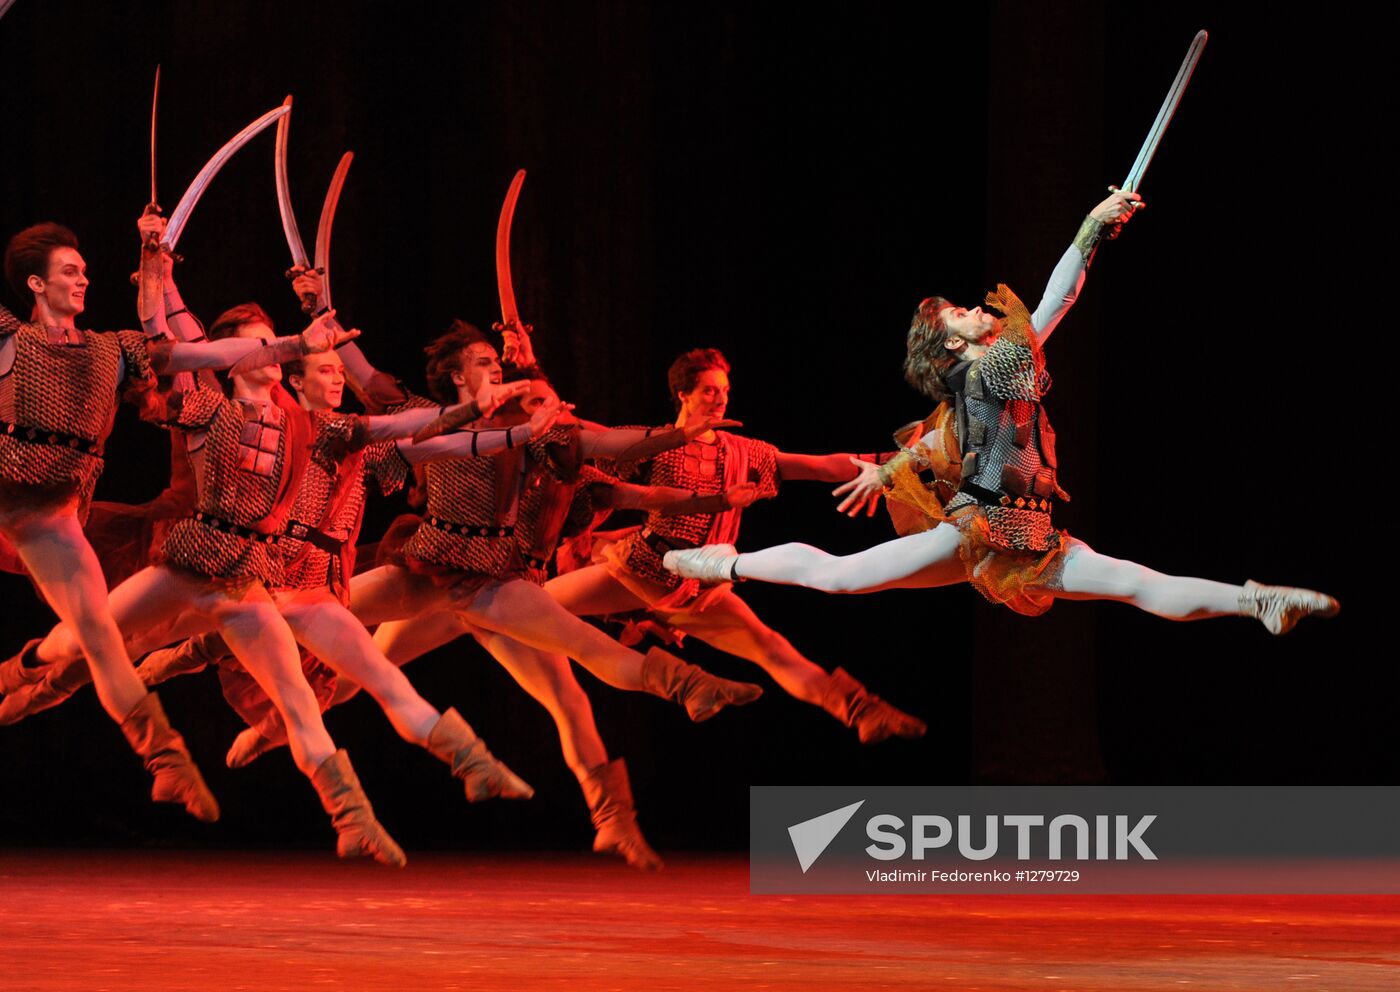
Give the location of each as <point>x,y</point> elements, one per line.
<point>987,518</point>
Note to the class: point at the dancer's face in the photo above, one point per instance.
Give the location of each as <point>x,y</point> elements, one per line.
<point>967,327</point>
<point>64,289</point>
<point>268,374</point>
<point>709,398</point>
<point>479,365</point>
<point>321,385</point>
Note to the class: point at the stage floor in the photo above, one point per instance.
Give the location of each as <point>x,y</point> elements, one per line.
<point>93,921</point>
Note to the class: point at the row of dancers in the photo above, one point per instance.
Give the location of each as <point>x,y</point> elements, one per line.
<point>248,561</point>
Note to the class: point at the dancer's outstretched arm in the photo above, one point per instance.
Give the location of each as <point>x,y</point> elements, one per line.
<point>471,444</point>
<point>1068,275</point>
<point>636,445</point>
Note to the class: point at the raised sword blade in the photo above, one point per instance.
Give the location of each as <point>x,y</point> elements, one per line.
<point>510,314</point>
<point>155,105</point>
<point>284,190</point>
<point>211,168</point>
<point>1164,116</point>
<point>323,229</point>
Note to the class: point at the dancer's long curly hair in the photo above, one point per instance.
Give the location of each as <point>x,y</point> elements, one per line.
<point>445,357</point>
<point>927,360</point>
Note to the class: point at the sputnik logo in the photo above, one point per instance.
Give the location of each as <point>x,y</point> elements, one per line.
<point>811,837</point>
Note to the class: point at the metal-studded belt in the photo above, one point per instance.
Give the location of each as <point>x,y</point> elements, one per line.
<point>990,497</point>
<point>58,439</point>
<point>237,530</point>
<point>469,530</point>
<point>661,544</point>
<point>316,538</point>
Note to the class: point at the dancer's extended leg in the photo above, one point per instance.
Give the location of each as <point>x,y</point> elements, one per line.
<point>913,562</point>
<point>57,555</point>
<point>332,633</point>
<point>1090,575</point>
<point>549,679</point>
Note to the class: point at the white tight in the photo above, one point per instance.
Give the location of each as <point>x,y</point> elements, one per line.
<point>726,623</point>
<point>931,559</point>
<point>250,624</point>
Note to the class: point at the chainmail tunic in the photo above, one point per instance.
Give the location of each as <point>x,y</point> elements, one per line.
<point>1002,422</point>
<point>699,467</point>
<point>244,458</point>
<point>475,504</point>
<point>57,405</point>
<point>310,567</point>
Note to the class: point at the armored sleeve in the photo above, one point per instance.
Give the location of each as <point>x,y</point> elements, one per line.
<point>763,467</point>
<point>136,362</point>
<point>338,435</point>
<point>623,471</point>
<point>387,466</point>
<point>9,323</point>
<point>1008,371</point>
<point>194,411</point>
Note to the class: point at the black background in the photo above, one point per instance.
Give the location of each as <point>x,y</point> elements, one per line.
<point>786,184</point>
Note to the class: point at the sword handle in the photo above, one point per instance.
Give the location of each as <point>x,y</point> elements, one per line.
<point>308,300</point>
<point>152,242</point>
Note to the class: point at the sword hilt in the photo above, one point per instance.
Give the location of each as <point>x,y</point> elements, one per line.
<point>308,300</point>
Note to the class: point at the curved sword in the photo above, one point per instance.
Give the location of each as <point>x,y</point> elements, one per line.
<point>323,230</point>
<point>510,325</point>
<point>1164,116</point>
<point>182,211</point>
<point>149,276</point>
<point>284,207</point>
<point>155,105</point>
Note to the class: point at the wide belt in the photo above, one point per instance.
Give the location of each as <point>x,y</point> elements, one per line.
<point>237,530</point>
<point>991,497</point>
<point>58,439</point>
<point>661,544</point>
<point>316,538</point>
<point>469,530</point>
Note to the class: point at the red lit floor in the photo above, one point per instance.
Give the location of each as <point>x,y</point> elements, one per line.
<point>95,921</point>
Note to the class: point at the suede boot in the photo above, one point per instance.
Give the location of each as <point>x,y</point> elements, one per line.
<point>191,655</point>
<point>177,779</point>
<point>483,775</point>
<point>609,795</point>
<point>702,694</point>
<point>863,711</point>
<point>360,834</point>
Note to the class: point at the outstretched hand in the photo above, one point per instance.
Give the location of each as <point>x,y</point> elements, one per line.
<point>703,425</point>
<point>548,412</point>
<point>861,493</point>
<point>324,334</point>
<point>491,395</point>
<point>742,495</point>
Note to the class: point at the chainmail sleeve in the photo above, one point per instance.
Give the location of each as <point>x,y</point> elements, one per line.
<point>9,323</point>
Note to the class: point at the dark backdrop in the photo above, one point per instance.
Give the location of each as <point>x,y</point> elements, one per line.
<point>785,186</point>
